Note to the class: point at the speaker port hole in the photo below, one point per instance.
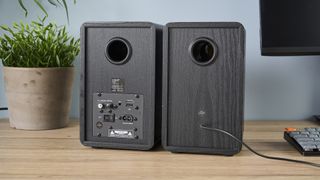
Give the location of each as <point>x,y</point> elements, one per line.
<point>202,51</point>
<point>118,51</point>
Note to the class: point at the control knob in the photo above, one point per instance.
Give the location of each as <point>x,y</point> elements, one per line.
<point>111,106</point>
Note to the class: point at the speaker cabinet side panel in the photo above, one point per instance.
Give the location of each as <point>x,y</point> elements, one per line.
<point>164,129</point>
<point>82,105</point>
<point>158,88</point>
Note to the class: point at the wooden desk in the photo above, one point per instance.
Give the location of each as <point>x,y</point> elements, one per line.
<point>58,154</point>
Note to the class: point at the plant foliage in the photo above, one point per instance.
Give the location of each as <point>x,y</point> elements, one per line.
<point>37,45</point>
<point>55,3</point>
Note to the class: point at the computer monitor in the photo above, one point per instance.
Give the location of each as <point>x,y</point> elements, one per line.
<point>290,27</point>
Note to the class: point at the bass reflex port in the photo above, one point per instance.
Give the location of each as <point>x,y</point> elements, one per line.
<point>118,51</point>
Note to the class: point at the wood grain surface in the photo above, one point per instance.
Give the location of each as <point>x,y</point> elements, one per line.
<point>212,95</point>
<point>138,74</point>
<point>58,154</point>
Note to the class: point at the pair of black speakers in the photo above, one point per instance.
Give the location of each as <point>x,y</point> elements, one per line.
<point>143,83</point>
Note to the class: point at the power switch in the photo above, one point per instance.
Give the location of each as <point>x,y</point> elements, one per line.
<point>109,118</point>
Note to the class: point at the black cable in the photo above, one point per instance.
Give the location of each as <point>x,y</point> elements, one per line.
<point>255,152</point>
<point>3,108</point>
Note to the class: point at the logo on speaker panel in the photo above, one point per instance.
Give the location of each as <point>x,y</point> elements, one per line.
<point>201,113</point>
<point>117,85</point>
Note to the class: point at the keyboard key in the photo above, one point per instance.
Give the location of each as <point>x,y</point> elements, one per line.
<point>307,144</point>
<point>300,136</point>
<point>293,133</point>
<point>309,148</point>
<point>304,139</point>
<point>304,132</point>
<point>314,132</point>
<point>310,129</point>
<point>313,135</point>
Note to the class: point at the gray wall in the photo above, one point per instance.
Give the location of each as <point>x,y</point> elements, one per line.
<point>276,87</point>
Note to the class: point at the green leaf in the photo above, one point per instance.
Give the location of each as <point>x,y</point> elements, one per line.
<point>7,38</point>
<point>23,7</point>
<point>53,3</point>
<point>58,61</point>
<point>66,8</point>
<point>59,2</point>
<point>43,19</point>
<point>41,7</point>
<point>36,23</point>
<point>4,27</point>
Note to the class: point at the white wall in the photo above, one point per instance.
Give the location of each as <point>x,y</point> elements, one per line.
<point>276,87</point>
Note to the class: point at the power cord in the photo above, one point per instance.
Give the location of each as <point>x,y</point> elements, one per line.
<point>255,152</point>
<point>3,108</point>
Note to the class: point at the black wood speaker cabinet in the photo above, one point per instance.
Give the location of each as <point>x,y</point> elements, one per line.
<point>121,71</point>
<point>203,83</point>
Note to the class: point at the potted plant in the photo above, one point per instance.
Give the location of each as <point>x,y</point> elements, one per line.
<point>38,74</point>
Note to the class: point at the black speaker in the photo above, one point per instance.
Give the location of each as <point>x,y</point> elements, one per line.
<point>203,84</point>
<point>121,85</point>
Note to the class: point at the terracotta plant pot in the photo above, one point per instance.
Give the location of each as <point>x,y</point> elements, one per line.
<point>38,98</point>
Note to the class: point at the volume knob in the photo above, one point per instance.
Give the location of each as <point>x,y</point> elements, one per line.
<point>109,105</point>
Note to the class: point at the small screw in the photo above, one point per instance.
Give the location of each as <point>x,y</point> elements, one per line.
<point>136,137</point>
<point>137,96</point>
<point>137,107</point>
<point>99,134</point>
<point>135,129</point>
<point>99,94</point>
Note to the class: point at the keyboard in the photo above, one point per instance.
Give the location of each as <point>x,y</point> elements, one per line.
<point>306,140</point>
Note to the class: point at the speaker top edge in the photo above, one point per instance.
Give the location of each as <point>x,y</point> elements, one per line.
<point>204,25</point>
<point>120,24</point>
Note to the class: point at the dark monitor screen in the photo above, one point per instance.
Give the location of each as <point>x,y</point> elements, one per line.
<point>290,27</point>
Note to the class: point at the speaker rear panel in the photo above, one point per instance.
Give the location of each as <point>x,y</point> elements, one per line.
<point>210,94</point>
<point>118,83</point>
